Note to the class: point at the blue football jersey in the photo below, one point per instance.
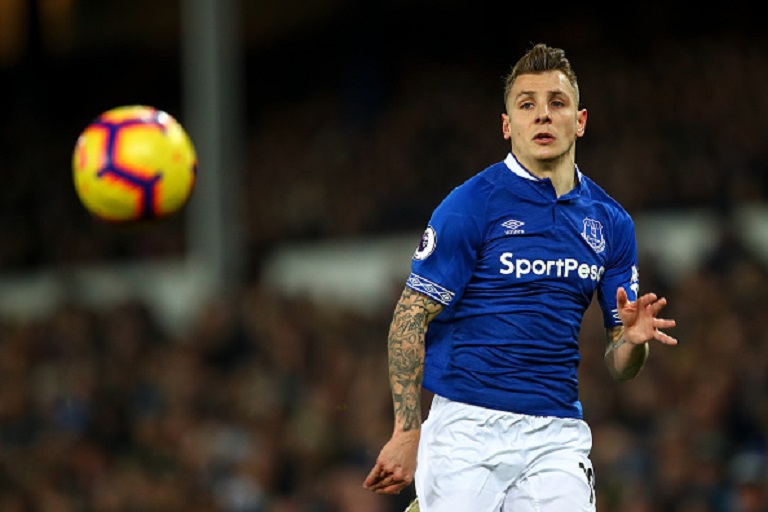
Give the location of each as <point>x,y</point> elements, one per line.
<point>516,268</point>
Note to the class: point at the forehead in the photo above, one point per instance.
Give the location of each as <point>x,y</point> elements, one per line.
<point>545,82</point>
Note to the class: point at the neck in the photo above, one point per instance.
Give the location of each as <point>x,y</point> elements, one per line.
<point>561,171</point>
<point>564,181</point>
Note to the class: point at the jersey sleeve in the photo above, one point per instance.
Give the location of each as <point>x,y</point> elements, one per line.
<point>445,259</point>
<point>622,271</point>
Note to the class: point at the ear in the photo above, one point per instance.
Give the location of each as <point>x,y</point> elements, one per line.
<point>505,129</point>
<point>581,122</point>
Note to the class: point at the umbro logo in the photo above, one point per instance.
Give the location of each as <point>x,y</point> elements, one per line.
<point>513,227</point>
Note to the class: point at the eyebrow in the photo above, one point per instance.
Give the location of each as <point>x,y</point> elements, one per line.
<point>550,93</point>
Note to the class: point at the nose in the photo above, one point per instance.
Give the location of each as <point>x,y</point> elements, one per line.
<point>542,116</point>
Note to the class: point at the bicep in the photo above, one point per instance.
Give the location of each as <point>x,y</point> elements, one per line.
<point>415,309</point>
<point>413,312</point>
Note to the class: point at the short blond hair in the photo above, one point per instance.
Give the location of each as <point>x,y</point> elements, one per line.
<point>538,59</point>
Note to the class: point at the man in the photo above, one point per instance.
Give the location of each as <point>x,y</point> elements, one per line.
<point>505,271</point>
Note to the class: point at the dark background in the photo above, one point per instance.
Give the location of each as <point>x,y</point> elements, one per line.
<point>357,118</point>
<point>669,85</point>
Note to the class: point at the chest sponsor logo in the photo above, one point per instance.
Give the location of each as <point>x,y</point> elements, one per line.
<point>561,267</point>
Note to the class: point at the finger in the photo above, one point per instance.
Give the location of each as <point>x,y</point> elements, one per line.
<point>657,306</point>
<point>663,323</point>
<point>372,485</point>
<point>373,477</point>
<point>389,482</point>
<point>379,477</point>
<point>665,338</point>
<point>646,300</point>
<point>621,297</point>
<point>392,489</point>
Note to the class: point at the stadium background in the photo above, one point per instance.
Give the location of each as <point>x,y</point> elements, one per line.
<point>233,359</point>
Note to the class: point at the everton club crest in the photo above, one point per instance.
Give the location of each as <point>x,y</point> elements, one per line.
<point>593,234</point>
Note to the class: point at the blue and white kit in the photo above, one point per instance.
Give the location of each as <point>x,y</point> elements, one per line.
<point>516,268</point>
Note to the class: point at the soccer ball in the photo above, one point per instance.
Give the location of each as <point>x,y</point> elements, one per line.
<point>134,164</point>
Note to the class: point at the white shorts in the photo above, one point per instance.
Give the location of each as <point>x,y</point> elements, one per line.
<point>473,459</point>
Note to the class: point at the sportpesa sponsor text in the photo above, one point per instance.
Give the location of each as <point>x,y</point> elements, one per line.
<point>558,268</point>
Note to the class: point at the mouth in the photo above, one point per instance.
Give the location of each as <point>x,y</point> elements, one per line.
<point>543,138</point>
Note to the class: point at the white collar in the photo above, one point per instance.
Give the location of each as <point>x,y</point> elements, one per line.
<point>515,166</point>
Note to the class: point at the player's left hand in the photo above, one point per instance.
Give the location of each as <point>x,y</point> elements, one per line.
<point>640,320</point>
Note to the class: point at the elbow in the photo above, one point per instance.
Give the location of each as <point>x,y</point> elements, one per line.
<point>624,369</point>
<point>624,375</point>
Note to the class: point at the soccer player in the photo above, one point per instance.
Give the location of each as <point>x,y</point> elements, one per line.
<point>490,316</point>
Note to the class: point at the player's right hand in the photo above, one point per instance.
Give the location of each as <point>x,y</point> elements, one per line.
<point>396,464</point>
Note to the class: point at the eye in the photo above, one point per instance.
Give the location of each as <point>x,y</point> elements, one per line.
<point>558,103</point>
<point>526,105</point>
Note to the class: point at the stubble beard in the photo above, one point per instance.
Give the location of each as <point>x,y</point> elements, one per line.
<point>552,163</point>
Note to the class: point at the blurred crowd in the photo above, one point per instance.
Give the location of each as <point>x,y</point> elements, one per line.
<point>270,404</point>
<point>677,125</point>
<point>665,131</point>
<point>274,404</point>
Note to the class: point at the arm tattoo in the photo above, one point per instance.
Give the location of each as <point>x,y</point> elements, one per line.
<point>412,315</point>
<point>629,365</point>
<point>615,337</point>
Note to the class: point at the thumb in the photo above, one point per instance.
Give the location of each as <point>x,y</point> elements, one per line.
<point>621,297</point>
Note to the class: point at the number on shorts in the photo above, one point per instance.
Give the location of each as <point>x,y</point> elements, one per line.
<point>590,474</point>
